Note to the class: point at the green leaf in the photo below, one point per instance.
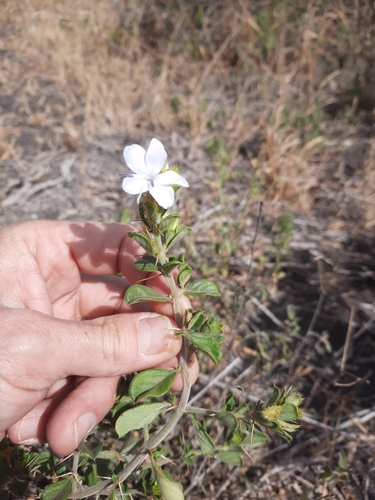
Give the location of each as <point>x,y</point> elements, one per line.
<point>187,451</point>
<point>108,455</point>
<point>138,417</point>
<point>121,403</point>
<point>170,266</point>
<point>181,257</point>
<point>145,241</point>
<point>154,383</point>
<point>169,223</point>
<point>209,345</point>
<point>130,441</point>
<point>288,412</point>
<point>343,462</point>
<point>20,456</point>
<point>229,403</point>
<point>173,237</point>
<point>285,435</point>
<point>212,326</point>
<point>197,321</point>
<point>295,399</point>
<point>91,474</point>
<point>170,490</point>
<point>147,263</point>
<point>228,420</point>
<point>58,491</point>
<point>232,455</point>
<point>205,441</point>
<point>253,437</point>
<point>243,410</point>
<point>89,450</point>
<point>184,275</point>
<point>141,293</point>
<point>44,461</point>
<point>326,474</point>
<point>202,287</point>
<point>275,396</point>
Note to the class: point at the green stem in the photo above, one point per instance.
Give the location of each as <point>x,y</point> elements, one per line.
<point>103,487</point>
<point>175,292</point>
<point>157,438</point>
<point>193,410</point>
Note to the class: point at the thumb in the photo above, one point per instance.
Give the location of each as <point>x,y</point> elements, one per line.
<point>120,344</point>
<point>38,350</point>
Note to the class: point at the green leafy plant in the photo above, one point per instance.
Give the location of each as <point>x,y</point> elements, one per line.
<point>128,460</point>
<point>339,473</point>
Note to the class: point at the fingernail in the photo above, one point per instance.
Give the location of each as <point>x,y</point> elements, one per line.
<point>30,442</point>
<point>155,333</point>
<point>82,426</point>
<point>28,430</point>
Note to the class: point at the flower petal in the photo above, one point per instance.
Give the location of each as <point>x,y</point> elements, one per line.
<point>163,195</point>
<point>155,158</point>
<point>171,177</point>
<point>134,157</point>
<point>135,184</point>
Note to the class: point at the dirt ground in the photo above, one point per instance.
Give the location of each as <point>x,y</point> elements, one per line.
<point>307,314</point>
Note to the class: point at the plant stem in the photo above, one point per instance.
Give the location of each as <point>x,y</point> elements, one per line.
<point>154,441</point>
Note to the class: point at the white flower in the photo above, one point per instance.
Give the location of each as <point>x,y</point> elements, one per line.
<point>146,166</point>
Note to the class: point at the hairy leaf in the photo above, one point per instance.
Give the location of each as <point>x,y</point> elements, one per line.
<point>173,237</point>
<point>154,383</point>
<point>184,275</point>
<point>197,321</point>
<point>130,441</point>
<point>141,293</point>
<point>228,419</point>
<point>169,223</point>
<point>89,450</point>
<point>212,326</point>
<point>295,399</point>
<point>147,263</point>
<point>231,456</point>
<point>205,441</point>
<point>145,241</point>
<point>171,490</point>
<point>289,412</point>
<point>208,344</point>
<point>170,266</point>
<point>58,491</point>
<point>202,287</point>
<point>43,461</point>
<point>275,396</point>
<point>138,417</point>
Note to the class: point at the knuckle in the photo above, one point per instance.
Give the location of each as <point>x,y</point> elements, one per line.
<point>118,346</point>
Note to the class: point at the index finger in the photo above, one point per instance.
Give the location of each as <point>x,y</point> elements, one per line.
<point>103,249</point>
<point>100,249</point>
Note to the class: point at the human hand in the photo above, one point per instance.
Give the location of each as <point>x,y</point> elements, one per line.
<point>58,374</point>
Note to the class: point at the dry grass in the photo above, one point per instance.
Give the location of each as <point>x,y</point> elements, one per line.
<point>268,101</point>
<point>204,70</point>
